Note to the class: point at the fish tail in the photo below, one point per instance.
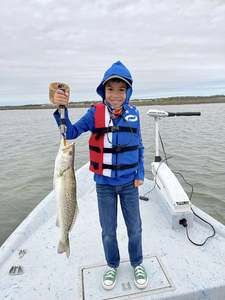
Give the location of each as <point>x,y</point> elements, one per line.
<point>64,247</point>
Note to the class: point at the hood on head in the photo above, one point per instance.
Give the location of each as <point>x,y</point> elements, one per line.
<point>116,69</point>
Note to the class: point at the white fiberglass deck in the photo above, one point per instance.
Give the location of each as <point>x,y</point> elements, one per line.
<point>176,268</point>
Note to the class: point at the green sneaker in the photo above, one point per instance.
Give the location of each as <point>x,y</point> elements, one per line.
<point>140,277</point>
<point>109,278</point>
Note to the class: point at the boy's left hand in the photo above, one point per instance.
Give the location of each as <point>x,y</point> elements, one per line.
<point>138,182</point>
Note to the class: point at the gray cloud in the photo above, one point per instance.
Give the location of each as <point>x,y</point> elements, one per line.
<point>171,47</point>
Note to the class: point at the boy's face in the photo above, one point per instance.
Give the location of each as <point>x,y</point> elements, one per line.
<point>115,93</point>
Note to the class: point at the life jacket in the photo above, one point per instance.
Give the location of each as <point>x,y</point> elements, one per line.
<point>114,149</point>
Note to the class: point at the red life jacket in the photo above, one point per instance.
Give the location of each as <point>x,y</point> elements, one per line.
<point>97,156</point>
<point>101,150</point>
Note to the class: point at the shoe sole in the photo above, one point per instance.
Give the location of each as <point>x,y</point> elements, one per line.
<point>108,287</point>
<point>141,286</point>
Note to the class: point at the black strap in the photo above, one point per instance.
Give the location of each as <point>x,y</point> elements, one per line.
<point>103,130</point>
<point>114,150</point>
<point>94,164</point>
<point>96,149</point>
<point>119,167</point>
<point>120,149</point>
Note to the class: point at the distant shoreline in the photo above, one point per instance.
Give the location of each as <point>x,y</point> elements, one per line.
<point>137,102</point>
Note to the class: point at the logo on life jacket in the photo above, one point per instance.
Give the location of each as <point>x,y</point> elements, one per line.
<point>131,118</point>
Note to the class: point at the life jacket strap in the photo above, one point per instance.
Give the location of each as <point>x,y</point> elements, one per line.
<point>94,148</point>
<point>119,167</point>
<point>114,150</point>
<point>103,130</point>
<point>95,165</point>
<point>114,167</point>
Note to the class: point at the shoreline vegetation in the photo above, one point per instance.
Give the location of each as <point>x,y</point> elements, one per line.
<point>137,102</point>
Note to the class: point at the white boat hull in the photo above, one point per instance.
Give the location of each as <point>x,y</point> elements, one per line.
<point>176,268</point>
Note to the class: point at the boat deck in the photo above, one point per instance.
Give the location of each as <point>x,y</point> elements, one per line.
<point>176,268</point>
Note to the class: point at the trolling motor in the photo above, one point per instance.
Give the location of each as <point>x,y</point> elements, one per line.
<point>177,203</point>
<point>158,115</point>
<point>65,88</point>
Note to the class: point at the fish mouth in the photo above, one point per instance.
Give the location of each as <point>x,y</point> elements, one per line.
<point>66,145</point>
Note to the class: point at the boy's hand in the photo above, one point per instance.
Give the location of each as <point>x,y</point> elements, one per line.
<point>138,182</point>
<point>60,98</point>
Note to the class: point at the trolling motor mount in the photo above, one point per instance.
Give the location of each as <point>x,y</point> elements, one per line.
<point>175,202</point>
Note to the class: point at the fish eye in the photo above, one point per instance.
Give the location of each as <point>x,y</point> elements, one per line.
<point>70,153</point>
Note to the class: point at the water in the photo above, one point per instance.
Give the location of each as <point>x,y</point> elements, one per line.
<point>30,141</point>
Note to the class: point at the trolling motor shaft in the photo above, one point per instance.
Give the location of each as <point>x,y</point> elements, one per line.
<point>65,88</point>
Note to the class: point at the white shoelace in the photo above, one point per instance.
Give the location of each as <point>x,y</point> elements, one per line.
<point>110,273</point>
<point>139,271</point>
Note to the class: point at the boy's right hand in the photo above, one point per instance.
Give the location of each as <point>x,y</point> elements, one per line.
<point>60,98</point>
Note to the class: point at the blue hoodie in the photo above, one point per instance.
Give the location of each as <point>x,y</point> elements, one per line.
<point>87,123</point>
<point>117,69</point>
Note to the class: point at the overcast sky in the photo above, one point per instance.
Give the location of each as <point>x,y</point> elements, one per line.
<point>171,47</point>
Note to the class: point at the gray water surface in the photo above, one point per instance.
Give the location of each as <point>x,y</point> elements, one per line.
<point>30,141</point>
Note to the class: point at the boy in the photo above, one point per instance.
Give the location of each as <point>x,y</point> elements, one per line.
<point>116,158</point>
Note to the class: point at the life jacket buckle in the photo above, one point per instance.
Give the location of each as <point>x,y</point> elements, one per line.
<point>119,149</point>
<point>115,128</point>
<point>117,167</point>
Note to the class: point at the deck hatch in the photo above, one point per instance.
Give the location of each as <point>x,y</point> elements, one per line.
<point>90,287</point>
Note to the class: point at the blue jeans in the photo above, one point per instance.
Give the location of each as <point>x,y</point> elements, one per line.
<point>107,205</point>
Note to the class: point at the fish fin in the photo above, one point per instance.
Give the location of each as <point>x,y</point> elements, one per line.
<point>57,223</point>
<point>64,247</point>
